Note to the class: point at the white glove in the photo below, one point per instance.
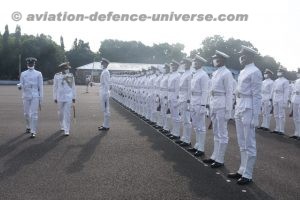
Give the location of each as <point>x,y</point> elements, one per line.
<point>227,114</point>
<point>254,121</point>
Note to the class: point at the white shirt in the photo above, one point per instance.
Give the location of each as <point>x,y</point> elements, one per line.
<point>173,86</point>
<point>164,86</point>
<point>199,88</point>
<point>267,87</point>
<point>296,92</point>
<point>280,91</point>
<point>221,89</point>
<point>31,82</point>
<point>249,89</point>
<point>64,87</point>
<point>185,86</point>
<point>104,81</point>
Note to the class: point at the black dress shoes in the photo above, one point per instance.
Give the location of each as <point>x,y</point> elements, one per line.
<point>266,129</point>
<point>178,142</point>
<point>193,150</point>
<point>216,165</point>
<point>102,128</point>
<point>234,175</point>
<point>208,161</point>
<point>244,181</point>
<point>27,130</point>
<point>293,137</point>
<point>198,153</point>
<point>173,137</point>
<point>184,144</point>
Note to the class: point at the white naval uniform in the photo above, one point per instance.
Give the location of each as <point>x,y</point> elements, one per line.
<point>199,97</point>
<point>104,96</point>
<point>64,92</point>
<point>246,116</point>
<point>184,96</point>
<point>31,82</point>
<point>280,102</point>
<point>220,110</point>
<point>164,102</point>
<point>173,92</point>
<point>296,106</point>
<point>267,88</point>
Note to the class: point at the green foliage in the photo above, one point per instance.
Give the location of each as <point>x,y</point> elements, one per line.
<point>50,54</point>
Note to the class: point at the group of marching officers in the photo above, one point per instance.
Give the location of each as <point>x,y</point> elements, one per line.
<point>64,95</point>
<point>178,96</point>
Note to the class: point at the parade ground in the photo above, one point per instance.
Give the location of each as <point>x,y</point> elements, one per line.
<point>130,161</point>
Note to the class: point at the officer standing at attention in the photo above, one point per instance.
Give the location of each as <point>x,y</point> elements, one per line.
<point>31,84</point>
<point>280,100</point>
<point>296,107</point>
<point>199,96</point>
<point>173,92</point>
<point>104,95</point>
<point>247,114</point>
<point>267,88</point>
<point>220,108</point>
<point>64,94</point>
<point>184,99</point>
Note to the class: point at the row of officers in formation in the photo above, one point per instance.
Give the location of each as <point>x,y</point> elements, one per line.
<point>172,101</point>
<point>176,100</point>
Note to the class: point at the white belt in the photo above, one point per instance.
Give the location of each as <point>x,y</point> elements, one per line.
<point>240,95</point>
<point>196,93</point>
<point>213,93</point>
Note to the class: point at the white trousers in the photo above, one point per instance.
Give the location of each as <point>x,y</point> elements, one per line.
<point>187,125</point>
<point>296,118</point>
<point>279,115</point>
<point>104,106</point>
<point>64,113</point>
<point>266,109</point>
<point>176,122</point>
<point>246,141</point>
<point>31,107</point>
<point>220,134</point>
<point>198,116</point>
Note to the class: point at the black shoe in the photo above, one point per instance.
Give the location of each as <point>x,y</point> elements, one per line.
<point>173,137</point>
<point>293,137</point>
<point>32,135</point>
<point>193,150</point>
<point>216,165</point>
<point>275,132</point>
<point>234,175</point>
<point>102,128</point>
<point>261,128</point>
<point>178,142</point>
<point>199,153</point>
<point>185,144</point>
<point>266,129</point>
<point>280,133</point>
<point>244,181</point>
<point>208,161</point>
<point>168,135</point>
<point>27,130</point>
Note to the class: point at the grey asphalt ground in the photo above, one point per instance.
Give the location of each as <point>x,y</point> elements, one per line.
<point>131,161</point>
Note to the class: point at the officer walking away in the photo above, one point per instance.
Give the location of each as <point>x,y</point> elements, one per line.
<point>64,95</point>
<point>247,114</point>
<point>104,95</point>
<point>31,84</point>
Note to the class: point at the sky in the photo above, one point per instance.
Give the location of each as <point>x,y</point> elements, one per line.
<point>273,27</point>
